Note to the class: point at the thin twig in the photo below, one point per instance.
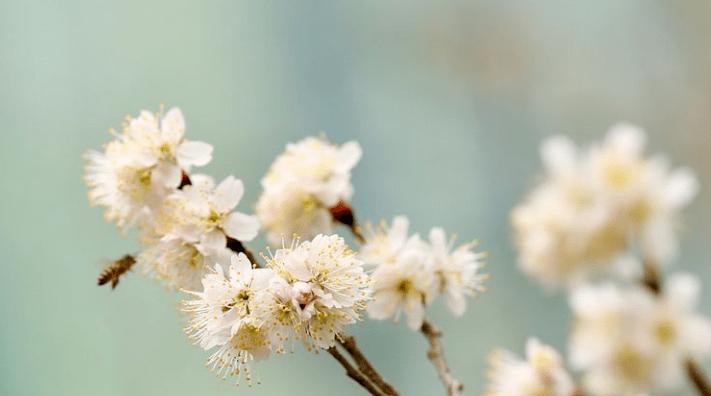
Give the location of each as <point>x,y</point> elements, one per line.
<point>652,280</point>
<point>436,356</point>
<point>349,344</point>
<point>697,377</point>
<point>354,374</point>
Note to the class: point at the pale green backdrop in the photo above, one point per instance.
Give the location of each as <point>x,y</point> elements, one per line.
<point>448,99</point>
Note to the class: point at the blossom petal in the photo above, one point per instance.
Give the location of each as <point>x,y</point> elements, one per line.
<point>384,305</point>
<point>348,156</point>
<point>241,227</point>
<point>172,125</point>
<point>683,290</point>
<point>191,153</point>
<point>682,186</point>
<point>166,174</point>
<point>558,154</point>
<point>228,194</point>
<point>212,242</point>
<point>415,311</point>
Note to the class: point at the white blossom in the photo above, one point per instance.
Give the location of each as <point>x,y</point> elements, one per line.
<point>628,340</point>
<point>541,373</point>
<point>203,213</point>
<point>593,206</point>
<point>227,315</point>
<point>410,273</point>
<point>324,287</point>
<point>144,164</point>
<point>180,264</point>
<point>309,178</point>
<point>456,270</point>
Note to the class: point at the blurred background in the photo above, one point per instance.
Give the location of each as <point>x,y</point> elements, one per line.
<point>448,99</point>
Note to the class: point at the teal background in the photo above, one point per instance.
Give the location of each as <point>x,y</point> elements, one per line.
<point>448,99</point>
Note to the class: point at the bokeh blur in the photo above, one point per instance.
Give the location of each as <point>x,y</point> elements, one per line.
<point>449,100</point>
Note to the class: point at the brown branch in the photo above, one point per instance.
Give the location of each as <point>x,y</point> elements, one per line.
<point>651,277</point>
<point>113,272</point>
<point>354,374</point>
<point>697,377</point>
<point>652,280</point>
<point>349,344</point>
<point>436,355</point>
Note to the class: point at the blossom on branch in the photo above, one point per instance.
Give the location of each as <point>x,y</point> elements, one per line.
<point>308,292</point>
<point>410,273</point>
<point>303,184</point>
<point>134,172</point>
<point>594,206</point>
<point>628,340</point>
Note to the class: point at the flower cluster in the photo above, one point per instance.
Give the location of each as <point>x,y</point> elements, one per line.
<point>142,166</point>
<point>541,373</point>
<point>410,272</point>
<point>308,291</point>
<point>628,340</point>
<point>142,178</point>
<point>303,184</point>
<point>594,206</point>
<point>596,213</point>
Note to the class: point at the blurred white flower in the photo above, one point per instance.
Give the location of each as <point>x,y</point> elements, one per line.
<point>143,165</point>
<point>410,273</point>
<point>595,205</point>
<point>628,340</point>
<point>383,244</point>
<point>309,178</point>
<point>180,264</point>
<point>406,285</point>
<point>541,373</point>
<point>457,271</point>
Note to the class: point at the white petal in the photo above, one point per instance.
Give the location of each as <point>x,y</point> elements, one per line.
<point>211,242</point>
<point>415,312</point>
<point>348,156</point>
<point>384,305</point>
<point>558,154</point>
<point>191,153</point>
<point>239,266</point>
<point>627,138</point>
<point>166,174</point>
<point>398,230</point>
<point>683,290</point>
<point>456,303</point>
<point>228,194</point>
<point>241,227</point>
<point>438,239</point>
<point>681,187</point>
<point>173,125</point>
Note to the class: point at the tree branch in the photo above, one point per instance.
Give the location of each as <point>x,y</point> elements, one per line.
<point>349,344</point>
<point>436,355</point>
<point>697,377</point>
<point>354,374</point>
